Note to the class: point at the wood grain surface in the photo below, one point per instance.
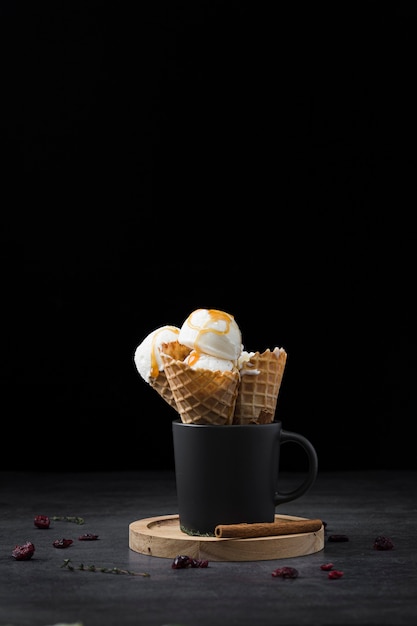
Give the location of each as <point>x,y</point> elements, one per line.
<point>162,537</point>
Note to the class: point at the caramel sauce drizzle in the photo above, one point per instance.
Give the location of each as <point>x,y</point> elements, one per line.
<point>154,362</point>
<point>215,316</point>
<point>193,357</point>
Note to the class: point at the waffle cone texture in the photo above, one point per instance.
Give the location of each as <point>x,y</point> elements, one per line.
<point>162,386</point>
<point>201,396</point>
<point>161,383</point>
<point>259,387</point>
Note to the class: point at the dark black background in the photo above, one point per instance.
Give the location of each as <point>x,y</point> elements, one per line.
<point>165,156</point>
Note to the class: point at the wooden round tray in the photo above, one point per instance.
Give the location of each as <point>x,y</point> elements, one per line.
<point>162,536</point>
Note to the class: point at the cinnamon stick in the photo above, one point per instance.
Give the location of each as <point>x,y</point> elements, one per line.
<point>267,529</point>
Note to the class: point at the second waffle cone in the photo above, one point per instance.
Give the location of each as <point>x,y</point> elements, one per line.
<point>260,382</point>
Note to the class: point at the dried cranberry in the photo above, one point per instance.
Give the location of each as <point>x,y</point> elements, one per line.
<point>338,538</point>
<point>285,572</point>
<point>335,574</point>
<point>182,561</point>
<point>326,566</point>
<point>62,543</point>
<point>24,552</point>
<point>383,543</point>
<point>42,521</point>
<point>88,537</point>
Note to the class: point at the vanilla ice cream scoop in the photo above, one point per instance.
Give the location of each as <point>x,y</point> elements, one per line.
<point>200,361</point>
<point>147,357</point>
<point>212,332</point>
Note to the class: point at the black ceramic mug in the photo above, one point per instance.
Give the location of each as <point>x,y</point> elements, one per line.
<point>229,474</point>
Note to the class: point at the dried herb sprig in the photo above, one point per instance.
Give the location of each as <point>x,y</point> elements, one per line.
<point>105,570</point>
<point>68,518</point>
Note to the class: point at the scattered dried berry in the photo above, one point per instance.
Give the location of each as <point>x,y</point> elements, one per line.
<point>42,521</point>
<point>62,543</point>
<point>383,543</point>
<point>285,572</point>
<point>88,537</point>
<point>338,538</point>
<point>335,574</point>
<point>182,561</point>
<point>326,566</point>
<point>24,552</point>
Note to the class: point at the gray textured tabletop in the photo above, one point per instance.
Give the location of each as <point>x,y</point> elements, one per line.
<point>377,587</point>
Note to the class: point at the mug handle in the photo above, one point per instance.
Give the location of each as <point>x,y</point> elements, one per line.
<point>286,437</point>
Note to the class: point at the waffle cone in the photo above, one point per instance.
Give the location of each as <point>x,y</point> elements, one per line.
<point>160,383</point>
<point>201,396</point>
<point>258,393</point>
